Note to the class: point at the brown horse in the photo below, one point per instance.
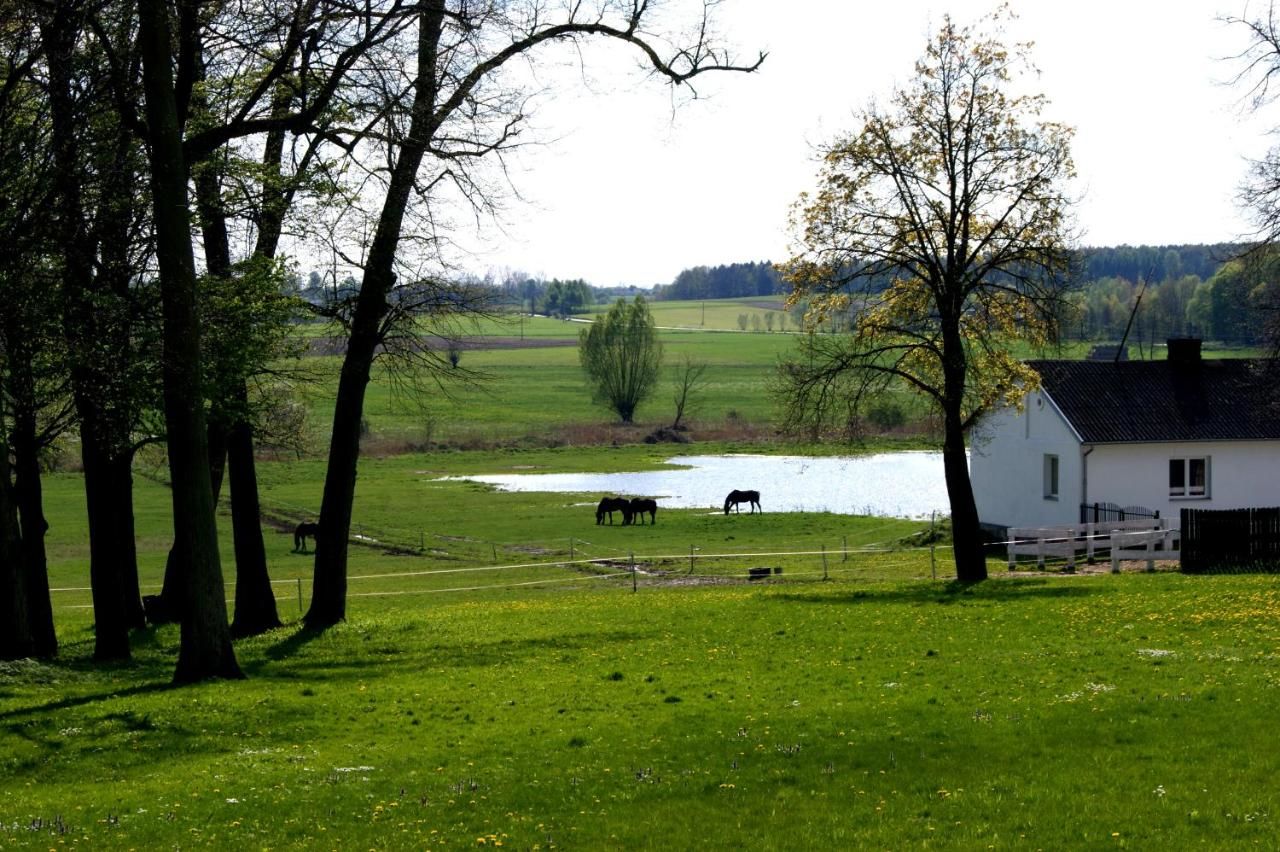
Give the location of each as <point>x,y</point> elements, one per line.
<point>304,530</point>
<point>640,505</point>
<point>609,505</point>
<point>736,497</point>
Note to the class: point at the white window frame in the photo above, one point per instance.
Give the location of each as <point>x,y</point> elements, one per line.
<point>1186,466</point>
<point>1052,469</point>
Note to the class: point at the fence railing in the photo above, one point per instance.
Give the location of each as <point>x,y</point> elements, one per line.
<point>1096,513</point>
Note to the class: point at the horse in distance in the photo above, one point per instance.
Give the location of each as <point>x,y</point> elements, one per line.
<point>609,505</point>
<point>304,531</point>
<point>640,505</point>
<point>736,497</point>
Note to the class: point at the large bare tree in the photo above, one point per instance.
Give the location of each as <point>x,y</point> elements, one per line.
<point>451,108</point>
<point>942,226</point>
<point>1258,73</point>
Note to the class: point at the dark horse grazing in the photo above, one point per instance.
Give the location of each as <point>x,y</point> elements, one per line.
<point>640,505</point>
<point>736,497</point>
<point>609,505</point>
<point>300,536</point>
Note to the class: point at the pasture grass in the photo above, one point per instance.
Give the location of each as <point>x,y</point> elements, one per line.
<point>430,533</point>
<point>1098,711</point>
<point>510,394</point>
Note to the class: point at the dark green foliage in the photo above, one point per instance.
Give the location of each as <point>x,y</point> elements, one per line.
<point>1156,263</point>
<point>564,298</point>
<point>886,414</point>
<point>723,282</point>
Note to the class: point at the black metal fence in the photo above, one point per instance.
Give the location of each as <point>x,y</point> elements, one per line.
<point>1230,539</point>
<point>1094,513</point>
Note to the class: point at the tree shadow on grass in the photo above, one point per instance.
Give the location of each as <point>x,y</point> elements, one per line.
<point>391,649</point>
<point>290,645</point>
<point>84,700</point>
<point>1012,590</point>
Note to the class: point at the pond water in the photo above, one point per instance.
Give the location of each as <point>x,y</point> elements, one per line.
<point>900,485</point>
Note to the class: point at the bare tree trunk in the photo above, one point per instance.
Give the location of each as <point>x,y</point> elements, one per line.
<point>16,639</point>
<point>111,613</point>
<point>205,650</point>
<point>29,493</point>
<point>255,601</point>
<point>966,534</point>
<point>329,596</point>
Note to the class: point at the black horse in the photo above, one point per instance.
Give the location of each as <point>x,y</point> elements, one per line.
<point>300,535</point>
<point>640,505</point>
<point>609,505</point>
<point>736,497</point>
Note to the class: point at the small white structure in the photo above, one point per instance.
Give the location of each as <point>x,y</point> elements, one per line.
<point>1142,435</point>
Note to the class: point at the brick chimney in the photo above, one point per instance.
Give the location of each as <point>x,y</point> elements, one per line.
<point>1184,351</point>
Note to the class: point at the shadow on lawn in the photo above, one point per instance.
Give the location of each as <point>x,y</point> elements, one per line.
<point>953,592</point>
<point>84,700</point>
<point>392,648</point>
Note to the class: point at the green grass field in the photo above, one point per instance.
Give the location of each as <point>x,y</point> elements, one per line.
<point>1129,711</point>
<point>506,678</point>
<point>483,692</point>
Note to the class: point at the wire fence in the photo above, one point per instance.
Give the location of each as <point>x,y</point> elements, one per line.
<point>596,565</point>
<point>462,566</point>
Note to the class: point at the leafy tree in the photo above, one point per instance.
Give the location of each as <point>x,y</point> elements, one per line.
<point>565,298</point>
<point>621,355</point>
<point>956,195</point>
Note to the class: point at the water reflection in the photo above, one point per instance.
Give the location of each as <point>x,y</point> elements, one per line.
<point>901,485</point>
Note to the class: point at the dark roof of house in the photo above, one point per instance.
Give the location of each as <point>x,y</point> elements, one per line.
<point>1229,399</point>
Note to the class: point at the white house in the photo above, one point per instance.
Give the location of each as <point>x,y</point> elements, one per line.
<point>1154,435</point>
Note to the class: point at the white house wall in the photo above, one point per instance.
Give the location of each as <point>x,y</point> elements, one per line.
<point>1006,465</point>
<point>1242,474</point>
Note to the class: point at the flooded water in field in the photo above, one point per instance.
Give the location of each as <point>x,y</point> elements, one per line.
<point>900,485</point>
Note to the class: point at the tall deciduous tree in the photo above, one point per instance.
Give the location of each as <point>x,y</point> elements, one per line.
<point>205,649</point>
<point>621,355</point>
<point>956,195</point>
<point>453,110</point>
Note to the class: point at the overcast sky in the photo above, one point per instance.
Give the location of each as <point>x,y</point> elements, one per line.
<point>632,185</point>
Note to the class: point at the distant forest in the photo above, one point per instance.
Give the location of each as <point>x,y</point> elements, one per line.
<point>1189,290</point>
<point>1133,263</point>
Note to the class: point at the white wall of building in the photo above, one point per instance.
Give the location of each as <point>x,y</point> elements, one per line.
<point>1006,465</point>
<point>1241,474</point>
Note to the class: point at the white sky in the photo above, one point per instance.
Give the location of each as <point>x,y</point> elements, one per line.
<point>629,191</point>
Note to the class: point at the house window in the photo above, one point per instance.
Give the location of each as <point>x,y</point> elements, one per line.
<point>1189,477</point>
<point>1050,477</point>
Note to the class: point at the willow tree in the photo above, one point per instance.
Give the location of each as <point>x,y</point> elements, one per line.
<point>941,227</point>
<point>621,355</point>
